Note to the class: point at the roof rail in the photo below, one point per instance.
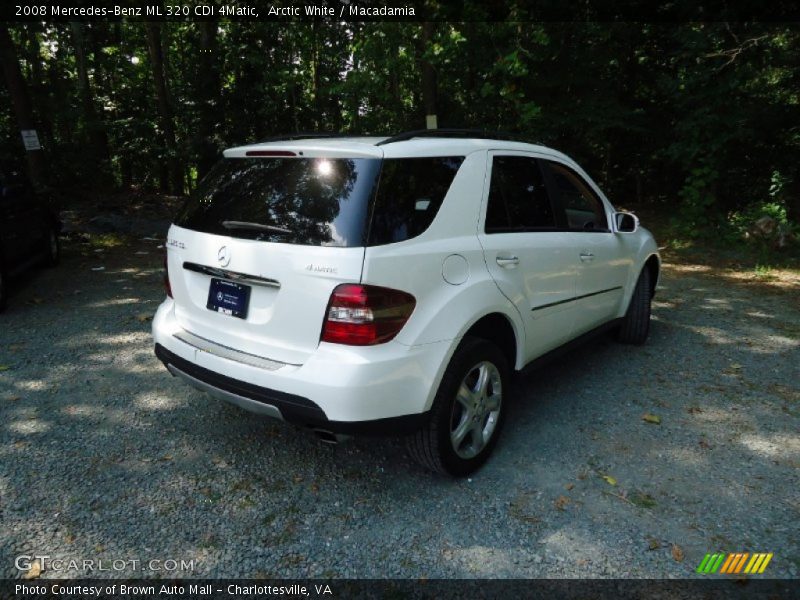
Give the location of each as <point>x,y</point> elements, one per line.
<point>464,133</point>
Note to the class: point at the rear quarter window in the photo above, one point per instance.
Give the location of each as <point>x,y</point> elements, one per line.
<point>410,193</point>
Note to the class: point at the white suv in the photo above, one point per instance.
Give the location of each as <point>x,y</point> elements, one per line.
<point>360,285</point>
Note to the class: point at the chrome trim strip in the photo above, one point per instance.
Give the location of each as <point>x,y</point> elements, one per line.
<point>619,287</point>
<point>231,275</point>
<point>240,401</point>
<point>221,351</point>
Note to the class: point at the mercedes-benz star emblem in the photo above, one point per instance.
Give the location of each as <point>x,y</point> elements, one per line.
<point>224,256</point>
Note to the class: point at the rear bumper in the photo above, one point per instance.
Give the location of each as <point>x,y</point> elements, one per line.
<point>272,403</point>
<point>379,390</point>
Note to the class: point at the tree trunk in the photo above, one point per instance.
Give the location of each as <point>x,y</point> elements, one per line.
<point>95,128</point>
<point>175,176</point>
<point>40,94</point>
<point>21,101</point>
<point>208,90</point>
<point>428,78</point>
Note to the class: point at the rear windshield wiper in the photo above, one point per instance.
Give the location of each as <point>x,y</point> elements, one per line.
<point>255,226</point>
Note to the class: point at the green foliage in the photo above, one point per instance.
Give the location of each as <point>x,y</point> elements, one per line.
<point>695,218</point>
<point>700,116</point>
<point>744,219</point>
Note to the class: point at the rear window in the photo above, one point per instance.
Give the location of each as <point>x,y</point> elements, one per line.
<point>320,202</point>
<point>313,202</point>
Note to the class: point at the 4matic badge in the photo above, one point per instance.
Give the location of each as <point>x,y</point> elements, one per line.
<point>322,269</point>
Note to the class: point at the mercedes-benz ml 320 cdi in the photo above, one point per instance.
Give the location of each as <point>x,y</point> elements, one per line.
<point>391,285</point>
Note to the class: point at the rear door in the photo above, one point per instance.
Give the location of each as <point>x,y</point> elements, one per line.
<point>601,260</point>
<point>280,234</point>
<point>527,254</point>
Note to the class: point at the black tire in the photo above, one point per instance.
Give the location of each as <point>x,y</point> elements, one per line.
<point>636,323</point>
<point>433,445</point>
<point>52,247</point>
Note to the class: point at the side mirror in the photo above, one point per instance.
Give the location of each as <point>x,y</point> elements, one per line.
<point>626,222</point>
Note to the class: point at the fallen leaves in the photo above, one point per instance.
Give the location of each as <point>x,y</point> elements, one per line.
<point>569,486</point>
<point>650,418</point>
<point>562,502</point>
<point>143,317</point>
<point>34,571</point>
<point>609,480</point>
<point>642,500</point>
<point>653,544</point>
<point>518,508</point>
<point>677,553</point>
<point>734,369</point>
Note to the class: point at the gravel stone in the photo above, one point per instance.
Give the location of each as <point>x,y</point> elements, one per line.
<point>105,456</point>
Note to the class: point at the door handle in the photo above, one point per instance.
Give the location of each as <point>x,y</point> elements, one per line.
<point>587,256</point>
<point>507,262</point>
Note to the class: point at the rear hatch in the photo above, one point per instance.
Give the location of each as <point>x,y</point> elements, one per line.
<point>256,251</point>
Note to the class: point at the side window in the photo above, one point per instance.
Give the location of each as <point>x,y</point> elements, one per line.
<point>584,210</point>
<point>410,193</point>
<point>518,199</point>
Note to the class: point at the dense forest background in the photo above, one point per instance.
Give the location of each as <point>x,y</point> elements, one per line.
<point>700,118</point>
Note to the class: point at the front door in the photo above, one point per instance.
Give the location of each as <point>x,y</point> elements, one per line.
<point>601,260</point>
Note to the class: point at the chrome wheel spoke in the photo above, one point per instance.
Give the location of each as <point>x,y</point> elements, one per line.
<point>461,431</point>
<point>476,410</point>
<point>478,441</point>
<point>483,380</point>
<point>465,396</point>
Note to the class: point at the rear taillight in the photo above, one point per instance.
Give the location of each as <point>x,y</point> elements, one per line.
<point>363,315</point>
<point>167,285</point>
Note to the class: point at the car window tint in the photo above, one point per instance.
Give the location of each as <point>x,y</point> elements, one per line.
<point>410,192</point>
<point>312,202</point>
<point>518,199</point>
<point>584,210</point>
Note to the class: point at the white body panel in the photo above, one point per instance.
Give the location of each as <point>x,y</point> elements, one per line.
<point>284,321</point>
<point>349,383</point>
<point>451,269</point>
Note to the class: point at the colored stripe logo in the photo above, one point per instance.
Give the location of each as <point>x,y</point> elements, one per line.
<point>733,563</point>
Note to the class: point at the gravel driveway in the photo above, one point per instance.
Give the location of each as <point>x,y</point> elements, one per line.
<point>103,455</point>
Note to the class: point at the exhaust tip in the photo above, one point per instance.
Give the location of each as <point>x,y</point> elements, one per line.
<point>328,437</point>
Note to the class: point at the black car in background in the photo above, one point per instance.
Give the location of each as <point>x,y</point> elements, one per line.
<point>29,229</point>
